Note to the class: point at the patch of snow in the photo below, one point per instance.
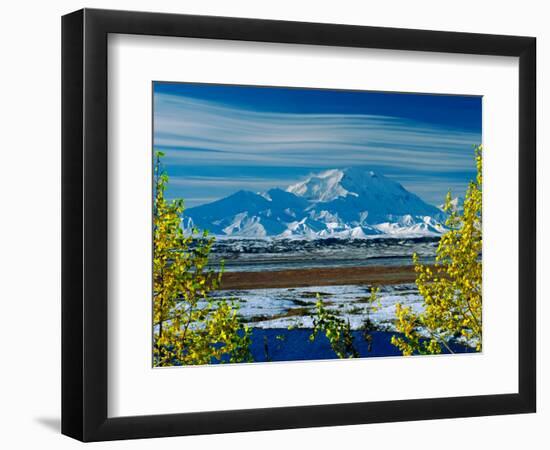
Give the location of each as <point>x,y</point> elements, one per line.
<point>457,204</point>
<point>322,187</point>
<point>265,195</point>
<point>276,308</point>
<point>245,226</point>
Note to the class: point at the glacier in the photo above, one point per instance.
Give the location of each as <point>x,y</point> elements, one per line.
<point>350,203</point>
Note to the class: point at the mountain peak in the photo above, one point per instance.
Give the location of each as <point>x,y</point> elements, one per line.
<point>323,186</point>
<point>352,202</point>
<point>332,184</point>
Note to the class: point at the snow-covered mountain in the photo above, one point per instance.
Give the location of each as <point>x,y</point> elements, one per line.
<point>345,203</point>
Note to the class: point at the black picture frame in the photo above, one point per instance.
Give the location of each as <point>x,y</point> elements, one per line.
<point>84,224</point>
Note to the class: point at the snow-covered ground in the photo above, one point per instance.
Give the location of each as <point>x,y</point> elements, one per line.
<point>292,307</point>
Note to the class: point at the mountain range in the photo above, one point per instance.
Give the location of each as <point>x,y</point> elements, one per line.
<point>341,203</point>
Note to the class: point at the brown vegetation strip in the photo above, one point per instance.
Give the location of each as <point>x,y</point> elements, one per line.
<point>319,277</point>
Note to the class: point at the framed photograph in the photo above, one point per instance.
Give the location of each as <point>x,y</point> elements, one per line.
<point>273,224</point>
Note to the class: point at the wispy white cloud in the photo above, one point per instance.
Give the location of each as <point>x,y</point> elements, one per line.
<point>235,182</point>
<point>196,133</point>
<point>252,136</point>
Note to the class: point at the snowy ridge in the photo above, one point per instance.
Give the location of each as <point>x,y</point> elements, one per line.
<point>338,203</point>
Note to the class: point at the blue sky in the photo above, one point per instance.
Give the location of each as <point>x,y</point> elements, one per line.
<point>219,139</point>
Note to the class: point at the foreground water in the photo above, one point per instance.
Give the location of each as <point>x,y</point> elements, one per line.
<point>282,319</point>
<point>295,345</point>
